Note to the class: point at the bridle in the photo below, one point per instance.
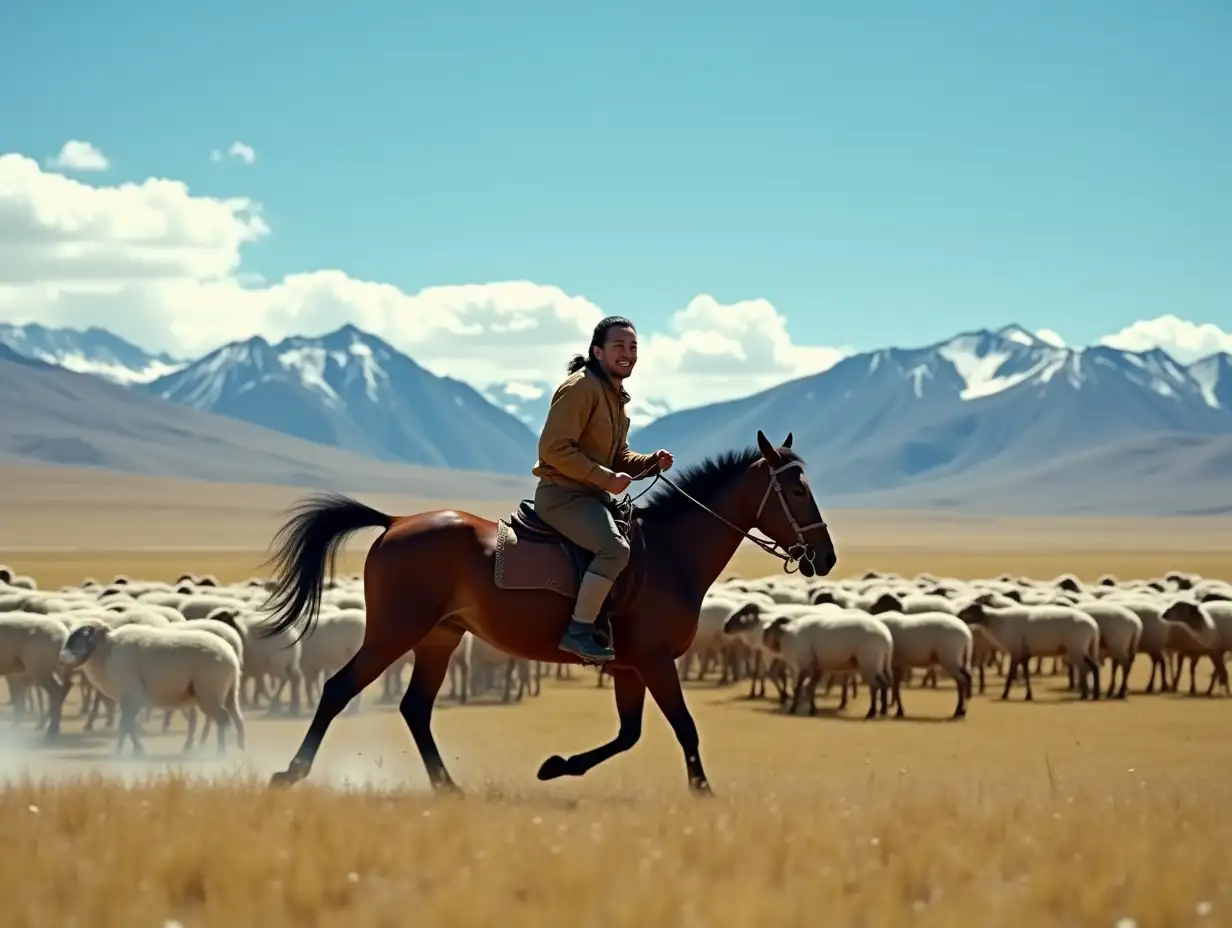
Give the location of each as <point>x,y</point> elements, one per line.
<point>790,555</point>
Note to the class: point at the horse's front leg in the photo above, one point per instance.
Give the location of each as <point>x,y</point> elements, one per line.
<point>660,678</point>
<point>630,701</point>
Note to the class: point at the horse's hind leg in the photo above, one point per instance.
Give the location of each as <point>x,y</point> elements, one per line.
<point>432,662</point>
<point>630,702</point>
<point>385,640</point>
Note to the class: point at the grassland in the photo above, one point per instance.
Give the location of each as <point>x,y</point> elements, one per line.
<point>1056,812</point>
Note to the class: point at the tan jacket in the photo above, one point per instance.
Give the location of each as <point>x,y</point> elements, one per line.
<point>585,438</point>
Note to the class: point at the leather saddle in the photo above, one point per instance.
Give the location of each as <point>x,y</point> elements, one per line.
<point>531,555</point>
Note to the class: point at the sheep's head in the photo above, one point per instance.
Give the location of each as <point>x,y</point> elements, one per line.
<point>1158,586</point>
<point>1069,584</point>
<point>6,575</point>
<point>937,591</point>
<point>824,597</point>
<point>81,642</point>
<point>115,607</point>
<point>1014,594</point>
<point>1216,597</point>
<point>185,589</point>
<point>772,637</point>
<point>871,575</point>
<point>742,619</point>
<point>1179,580</point>
<point>886,602</point>
<point>120,580</point>
<point>227,615</point>
<point>112,590</point>
<point>1187,613</point>
<point>1006,578</point>
<point>1107,580</point>
<point>254,583</point>
<point>975,613</point>
<point>927,579</point>
<point>89,583</point>
<point>207,580</point>
<point>184,578</point>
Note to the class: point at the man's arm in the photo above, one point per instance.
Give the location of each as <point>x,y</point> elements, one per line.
<point>558,442</point>
<point>635,464</point>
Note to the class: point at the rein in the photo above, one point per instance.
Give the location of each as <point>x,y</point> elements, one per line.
<point>789,556</point>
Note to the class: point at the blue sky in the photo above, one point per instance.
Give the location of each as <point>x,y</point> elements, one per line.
<point>869,168</point>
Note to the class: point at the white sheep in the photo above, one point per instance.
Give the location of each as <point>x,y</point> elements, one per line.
<point>836,640</point>
<point>30,646</point>
<point>927,639</point>
<point>334,640</point>
<point>1120,630</point>
<point>1211,625</point>
<point>168,668</point>
<point>1024,632</point>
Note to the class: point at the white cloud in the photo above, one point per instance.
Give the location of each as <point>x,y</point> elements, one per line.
<point>1185,341</point>
<point>237,150</point>
<point>75,155</point>
<point>1049,337</point>
<point>162,267</point>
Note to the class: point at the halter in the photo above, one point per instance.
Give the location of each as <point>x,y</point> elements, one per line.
<point>789,555</point>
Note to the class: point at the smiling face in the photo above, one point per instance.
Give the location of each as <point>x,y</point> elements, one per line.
<point>618,356</point>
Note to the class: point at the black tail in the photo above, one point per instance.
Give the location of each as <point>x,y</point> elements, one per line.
<point>306,547</point>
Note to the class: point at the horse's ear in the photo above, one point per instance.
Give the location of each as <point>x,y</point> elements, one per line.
<point>787,441</point>
<point>767,449</point>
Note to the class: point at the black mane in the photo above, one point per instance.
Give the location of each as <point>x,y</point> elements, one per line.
<point>701,481</point>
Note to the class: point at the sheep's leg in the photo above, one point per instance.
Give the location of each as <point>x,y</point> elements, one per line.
<point>1157,665</point>
<point>962,681</point>
<point>56,693</point>
<point>1114,664</point>
<point>896,688</point>
<point>1193,674</point>
<point>128,728</point>
<point>191,713</point>
<point>1126,666</point>
<point>842,701</point>
<point>796,692</point>
<point>875,688</point>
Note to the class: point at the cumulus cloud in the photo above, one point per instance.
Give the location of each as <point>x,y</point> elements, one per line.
<point>162,267</point>
<point>1183,340</point>
<point>76,155</point>
<point>237,150</point>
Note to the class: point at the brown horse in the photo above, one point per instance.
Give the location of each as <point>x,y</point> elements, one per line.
<point>433,575</point>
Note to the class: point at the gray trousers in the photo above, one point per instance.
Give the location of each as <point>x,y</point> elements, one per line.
<point>582,518</point>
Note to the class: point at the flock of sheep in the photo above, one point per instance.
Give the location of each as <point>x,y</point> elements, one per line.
<point>192,645</point>
<point>881,628</point>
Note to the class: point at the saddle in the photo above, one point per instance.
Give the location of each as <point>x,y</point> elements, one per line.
<point>531,555</point>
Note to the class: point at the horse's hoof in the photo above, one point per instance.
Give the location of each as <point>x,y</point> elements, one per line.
<point>285,778</point>
<point>553,768</point>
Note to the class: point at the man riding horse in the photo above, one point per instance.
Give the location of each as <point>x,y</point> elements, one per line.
<point>583,456</point>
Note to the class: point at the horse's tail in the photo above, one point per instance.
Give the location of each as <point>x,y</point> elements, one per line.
<point>306,547</point>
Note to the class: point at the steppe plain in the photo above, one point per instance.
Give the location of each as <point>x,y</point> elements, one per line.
<point>1057,812</point>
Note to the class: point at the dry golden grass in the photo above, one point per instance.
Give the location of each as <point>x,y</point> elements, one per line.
<point>1025,814</point>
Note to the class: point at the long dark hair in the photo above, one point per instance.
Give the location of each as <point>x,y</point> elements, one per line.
<point>597,340</point>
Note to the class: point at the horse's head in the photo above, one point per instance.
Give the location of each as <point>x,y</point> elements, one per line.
<point>788,514</point>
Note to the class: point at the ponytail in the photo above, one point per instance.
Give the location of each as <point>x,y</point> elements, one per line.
<point>597,340</point>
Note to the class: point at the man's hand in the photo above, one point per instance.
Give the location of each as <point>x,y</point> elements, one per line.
<point>619,483</point>
<point>665,459</point>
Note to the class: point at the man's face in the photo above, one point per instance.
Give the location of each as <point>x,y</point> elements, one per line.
<point>619,352</point>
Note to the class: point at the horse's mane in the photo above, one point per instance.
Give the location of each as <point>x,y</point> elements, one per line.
<point>702,481</point>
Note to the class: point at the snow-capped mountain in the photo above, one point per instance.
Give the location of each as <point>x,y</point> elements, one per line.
<point>529,400</point>
<point>93,351</point>
<point>1213,376</point>
<point>988,400</point>
<point>351,390</point>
